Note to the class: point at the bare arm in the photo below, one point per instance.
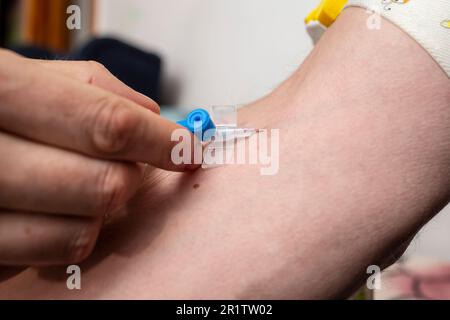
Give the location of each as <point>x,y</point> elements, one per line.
<point>364,163</point>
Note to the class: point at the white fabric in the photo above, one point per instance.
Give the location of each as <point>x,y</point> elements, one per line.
<point>426,21</point>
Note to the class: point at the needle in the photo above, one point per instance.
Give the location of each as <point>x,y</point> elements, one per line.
<point>236,133</point>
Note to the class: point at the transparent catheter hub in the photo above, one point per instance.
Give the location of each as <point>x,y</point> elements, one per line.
<point>225,117</point>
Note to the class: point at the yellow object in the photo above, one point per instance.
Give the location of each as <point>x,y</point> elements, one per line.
<point>446,24</point>
<point>322,17</point>
<point>327,12</point>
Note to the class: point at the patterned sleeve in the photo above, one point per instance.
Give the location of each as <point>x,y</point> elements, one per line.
<point>426,21</point>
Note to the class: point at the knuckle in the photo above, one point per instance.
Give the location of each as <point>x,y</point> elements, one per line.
<point>91,71</point>
<point>113,126</point>
<point>95,66</point>
<point>112,188</point>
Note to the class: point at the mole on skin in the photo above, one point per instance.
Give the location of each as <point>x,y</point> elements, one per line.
<point>196,186</point>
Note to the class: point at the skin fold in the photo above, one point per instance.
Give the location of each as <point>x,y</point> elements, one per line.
<point>364,164</point>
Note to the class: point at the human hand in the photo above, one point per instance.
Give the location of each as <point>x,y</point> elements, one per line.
<point>72,138</point>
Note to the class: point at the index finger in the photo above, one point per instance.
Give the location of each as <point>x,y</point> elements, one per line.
<point>46,106</point>
<point>94,73</point>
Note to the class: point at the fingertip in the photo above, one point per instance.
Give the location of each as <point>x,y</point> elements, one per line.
<point>194,145</point>
<point>168,146</point>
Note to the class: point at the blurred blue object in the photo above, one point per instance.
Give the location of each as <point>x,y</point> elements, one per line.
<point>138,69</point>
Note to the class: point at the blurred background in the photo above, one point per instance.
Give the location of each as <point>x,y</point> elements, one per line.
<point>212,51</point>
<point>184,54</point>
